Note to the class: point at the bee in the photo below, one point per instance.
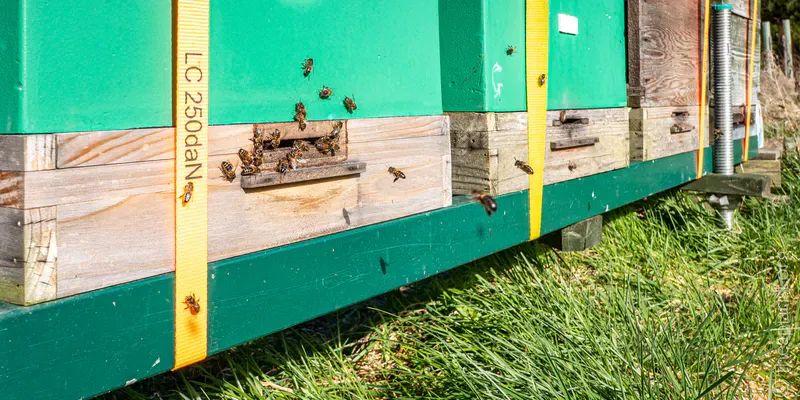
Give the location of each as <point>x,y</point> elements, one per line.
<point>488,202</point>
<point>301,145</point>
<point>308,66</point>
<point>542,79</point>
<point>258,160</point>
<point>292,158</point>
<point>245,156</point>
<point>192,304</point>
<point>300,108</point>
<point>718,134</point>
<point>523,166</point>
<point>301,119</point>
<point>258,136</point>
<point>350,104</point>
<point>283,166</point>
<point>274,141</point>
<point>510,50</point>
<point>397,173</point>
<point>188,190</point>
<point>572,165</point>
<point>562,116</point>
<point>250,170</point>
<point>228,170</point>
<point>337,128</point>
<point>325,92</point>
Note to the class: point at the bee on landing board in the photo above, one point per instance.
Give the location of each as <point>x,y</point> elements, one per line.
<point>228,170</point>
<point>488,202</point>
<point>283,166</point>
<point>301,146</point>
<point>325,92</point>
<point>274,140</point>
<point>250,170</point>
<point>188,191</point>
<point>192,304</point>
<point>350,104</point>
<point>300,115</point>
<point>510,50</point>
<point>292,158</point>
<point>308,66</point>
<point>397,174</point>
<point>258,137</point>
<point>245,156</point>
<point>562,116</point>
<point>523,166</point>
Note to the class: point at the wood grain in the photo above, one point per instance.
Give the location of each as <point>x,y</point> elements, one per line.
<point>609,153</point>
<point>664,48</point>
<point>115,219</point>
<point>306,174</point>
<point>27,152</point>
<point>653,133</point>
<point>28,255</point>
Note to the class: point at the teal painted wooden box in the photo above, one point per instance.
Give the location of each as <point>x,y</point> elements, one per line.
<point>72,65</point>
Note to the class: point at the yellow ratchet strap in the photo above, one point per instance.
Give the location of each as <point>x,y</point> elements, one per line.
<point>703,92</point>
<point>536,48</point>
<point>749,88</point>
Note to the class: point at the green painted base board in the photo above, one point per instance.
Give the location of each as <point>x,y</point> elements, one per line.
<point>95,342</point>
<point>73,65</point>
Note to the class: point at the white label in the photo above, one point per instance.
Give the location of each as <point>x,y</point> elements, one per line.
<point>567,24</point>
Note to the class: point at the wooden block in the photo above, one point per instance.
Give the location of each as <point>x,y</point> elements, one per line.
<point>769,168</point>
<point>27,153</point>
<point>664,131</point>
<point>113,216</point>
<point>578,237</point>
<point>28,255</point>
<point>664,48</point>
<point>732,185</point>
<point>768,154</point>
<point>272,178</point>
<point>484,159</point>
<point>606,128</point>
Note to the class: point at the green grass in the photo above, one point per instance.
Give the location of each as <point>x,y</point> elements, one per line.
<point>668,307</point>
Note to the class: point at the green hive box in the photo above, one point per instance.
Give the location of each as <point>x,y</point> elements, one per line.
<point>72,65</point>
<point>587,70</point>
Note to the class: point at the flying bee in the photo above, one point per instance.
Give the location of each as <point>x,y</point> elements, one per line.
<point>397,174</point>
<point>488,202</point>
<point>510,50</point>
<point>292,158</point>
<point>542,80</point>
<point>228,170</point>
<point>245,156</point>
<point>718,134</point>
<point>350,104</point>
<point>283,166</point>
<point>523,166</point>
<point>325,92</point>
<point>192,304</point>
<point>188,191</point>
<point>308,66</point>
<point>572,165</point>
<point>250,170</point>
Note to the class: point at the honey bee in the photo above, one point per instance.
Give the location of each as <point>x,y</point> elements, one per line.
<point>350,104</point>
<point>718,134</point>
<point>245,156</point>
<point>542,79</point>
<point>188,190</point>
<point>300,107</point>
<point>308,66</point>
<point>283,166</point>
<point>562,116</point>
<point>327,145</point>
<point>274,141</point>
<point>325,92</point>
<point>337,128</point>
<point>488,202</point>
<point>510,50</point>
<point>250,170</point>
<point>258,136</point>
<point>192,304</point>
<point>397,173</point>
<point>523,166</point>
<point>228,170</point>
<point>292,158</point>
<point>300,114</point>
<point>572,165</point>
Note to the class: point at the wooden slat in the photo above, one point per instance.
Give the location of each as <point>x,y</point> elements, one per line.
<point>27,152</point>
<point>309,174</point>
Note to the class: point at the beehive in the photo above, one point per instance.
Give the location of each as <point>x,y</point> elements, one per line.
<point>87,197</point>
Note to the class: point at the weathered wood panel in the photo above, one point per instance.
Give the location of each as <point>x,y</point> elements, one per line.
<point>664,50</point>
<point>115,215</point>
<point>27,152</point>
<point>28,255</point>
<point>664,131</point>
<point>610,152</point>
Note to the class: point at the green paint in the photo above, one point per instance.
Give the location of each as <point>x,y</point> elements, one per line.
<point>107,65</point>
<point>265,292</point>
<point>477,74</point>
<point>588,70</point>
<point>10,69</point>
<point>88,344</point>
<point>569,202</point>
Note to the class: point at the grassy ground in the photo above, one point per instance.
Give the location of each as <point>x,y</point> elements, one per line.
<point>668,307</point>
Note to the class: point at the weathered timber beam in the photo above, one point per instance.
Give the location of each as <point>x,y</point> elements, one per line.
<point>733,185</point>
